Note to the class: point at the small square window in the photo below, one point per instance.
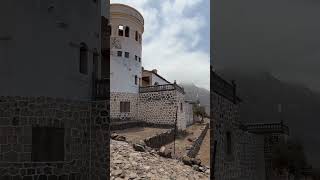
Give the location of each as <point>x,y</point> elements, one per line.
<point>119,53</point>
<point>126,54</point>
<point>124,106</point>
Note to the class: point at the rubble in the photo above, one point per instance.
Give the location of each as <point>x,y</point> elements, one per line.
<point>126,163</point>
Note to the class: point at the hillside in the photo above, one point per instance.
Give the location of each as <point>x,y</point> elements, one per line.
<point>194,93</point>
<point>262,92</point>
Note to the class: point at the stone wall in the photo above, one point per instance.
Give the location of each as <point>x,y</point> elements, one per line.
<point>161,107</point>
<point>116,98</point>
<point>85,126</point>
<point>245,161</point>
<point>197,143</point>
<point>161,139</point>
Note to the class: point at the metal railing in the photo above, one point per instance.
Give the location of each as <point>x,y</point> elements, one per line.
<point>267,128</point>
<point>157,88</point>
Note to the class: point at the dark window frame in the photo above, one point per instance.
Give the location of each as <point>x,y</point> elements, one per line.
<point>126,54</point>
<point>229,143</point>
<point>83,60</point>
<point>120,31</point>
<point>119,53</point>
<point>124,106</point>
<point>127,31</point>
<point>48,144</point>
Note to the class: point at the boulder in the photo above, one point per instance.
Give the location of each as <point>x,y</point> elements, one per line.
<point>120,138</point>
<point>187,160</point>
<point>114,135</point>
<point>139,147</point>
<point>164,152</point>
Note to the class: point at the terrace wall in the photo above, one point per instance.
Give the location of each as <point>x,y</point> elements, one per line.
<point>85,135</point>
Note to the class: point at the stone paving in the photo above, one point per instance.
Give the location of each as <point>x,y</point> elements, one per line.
<point>126,163</point>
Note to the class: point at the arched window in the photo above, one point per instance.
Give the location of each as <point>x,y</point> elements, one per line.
<point>137,36</point>
<point>83,58</point>
<point>127,31</point>
<point>156,83</point>
<point>229,143</point>
<point>135,79</point>
<point>120,30</point>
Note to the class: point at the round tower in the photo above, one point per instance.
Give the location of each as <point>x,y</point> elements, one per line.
<point>126,48</point>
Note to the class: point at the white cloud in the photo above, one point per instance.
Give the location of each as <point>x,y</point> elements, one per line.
<point>171,39</point>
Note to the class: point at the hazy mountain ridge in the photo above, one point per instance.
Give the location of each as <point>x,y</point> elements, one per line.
<point>262,92</point>
<point>195,93</point>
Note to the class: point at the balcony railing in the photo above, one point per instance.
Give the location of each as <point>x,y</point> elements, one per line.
<point>268,128</point>
<point>101,89</point>
<point>158,88</point>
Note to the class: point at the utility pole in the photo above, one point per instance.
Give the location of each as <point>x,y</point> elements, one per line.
<point>175,129</point>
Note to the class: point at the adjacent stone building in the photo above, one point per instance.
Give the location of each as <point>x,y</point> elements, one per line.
<point>238,150</point>
<point>138,94</point>
<point>54,68</point>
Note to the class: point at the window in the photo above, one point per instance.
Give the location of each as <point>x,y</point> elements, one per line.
<point>119,54</point>
<point>137,36</point>
<point>120,30</point>
<point>156,83</point>
<point>126,54</point>
<point>135,79</point>
<point>181,107</point>
<point>47,144</point>
<point>136,57</point>
<point>228,148</point>
<point>139,59</point>
<point>124,106</point>
<point>83,58</point>
<point>127,32</point>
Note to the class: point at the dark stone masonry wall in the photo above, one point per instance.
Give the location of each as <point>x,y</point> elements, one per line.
<point>121,125</point>
<point>51,138</point>
<point>161,139</point>
<point>197,143</point>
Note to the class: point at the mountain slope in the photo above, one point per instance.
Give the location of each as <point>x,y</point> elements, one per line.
<point>195,93</point>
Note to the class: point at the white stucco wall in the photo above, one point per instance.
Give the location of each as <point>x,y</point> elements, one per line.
<point>37,58</point>
<point>156,78</point>
<point>123,70</point>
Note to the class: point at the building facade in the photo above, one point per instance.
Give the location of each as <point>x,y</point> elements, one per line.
<point>53,118</point>
<point>138,94</point>
<point>239,151</point>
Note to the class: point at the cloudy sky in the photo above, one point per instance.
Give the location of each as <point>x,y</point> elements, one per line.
<point>176,38</point>
<point>279,36</point>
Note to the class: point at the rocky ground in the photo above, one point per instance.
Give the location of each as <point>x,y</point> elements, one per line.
<point>126,163</point>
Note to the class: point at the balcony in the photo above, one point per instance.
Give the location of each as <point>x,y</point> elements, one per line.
<point>158,88</point>
<point>268,128</point>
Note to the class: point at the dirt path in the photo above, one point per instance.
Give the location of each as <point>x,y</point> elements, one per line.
<point>134,135</point>
<point>204,152</point>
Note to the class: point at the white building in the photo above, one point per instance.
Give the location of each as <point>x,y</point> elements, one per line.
<point>138,94</point>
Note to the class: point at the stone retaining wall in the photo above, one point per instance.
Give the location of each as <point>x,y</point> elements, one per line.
<point>84,133</point>
<point>197,143</point>
<point>133,124</point>
<point>161,139</point>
